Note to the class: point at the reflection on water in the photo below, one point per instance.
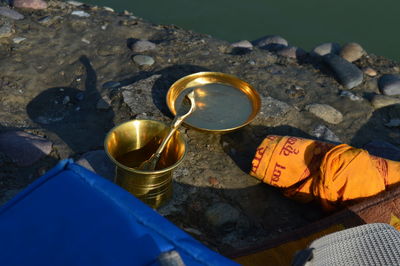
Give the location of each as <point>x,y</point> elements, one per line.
<point>218,106</point>
<point>306,24</point>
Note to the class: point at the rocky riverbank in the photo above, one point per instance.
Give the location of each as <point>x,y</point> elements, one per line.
<point>70,72</point>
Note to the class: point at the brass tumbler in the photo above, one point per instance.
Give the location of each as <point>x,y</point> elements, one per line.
<point>131,143</point>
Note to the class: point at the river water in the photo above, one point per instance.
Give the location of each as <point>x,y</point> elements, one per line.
<point>373,24</point>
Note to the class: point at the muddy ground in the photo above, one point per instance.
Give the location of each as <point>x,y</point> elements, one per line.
<point>87,58</point>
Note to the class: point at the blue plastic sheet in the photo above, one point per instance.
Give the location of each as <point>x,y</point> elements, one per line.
<point>71,216</point>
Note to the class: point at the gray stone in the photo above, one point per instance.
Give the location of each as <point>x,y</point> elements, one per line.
<point>111,85</point>
<point>291,52</point>
<point>66,100</point>
<point>104,103</point>
<point>389,84</point>
<point>24,149</point>
<point>9,13</point>
<point>244,44</point>
<point>75,3</point>
<point>80,13</point>
<point>326,48</point>
<point>393,123</point>
<point>138,96</point>
<point>351,96</point>
<point>352,51</point>
<point>272,108</point>
<point>99,163</point>
<point>379,101</point>
<point>346,73</point>
<point>6,30</point>
<point>325,112</point>
<point>18,40</point>
<point>270,42</point>
<point>143,60</point>
<point>143,46</point>
<point>322,132</point>
<point>222,216</point>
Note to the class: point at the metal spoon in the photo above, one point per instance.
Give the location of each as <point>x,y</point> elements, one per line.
<point>186,109</point>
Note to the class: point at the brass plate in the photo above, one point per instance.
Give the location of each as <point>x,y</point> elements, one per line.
<point>223,102</point>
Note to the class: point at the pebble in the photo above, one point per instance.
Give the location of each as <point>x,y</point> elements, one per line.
<point>143,60</point>
<point>75,3</point>
<point>322,132</point>
<point>9,13</point>
<point>291,52</point>
<point>24,149</point>
<point>325,112</point>
<point>80,96</point>
<point>346,73</point>
<point>270,42</point>
<point>111,85</point>
<point>31,4</point>
<point>109,9</point>
<point>143,46</point>
<point>351,96</point>
<point>6,30</point>
<point>383,149</point>
<point>45,20</point>
<point>18,40</point>
<point>272,108</point>
<point>389,84</point>
<point>98,162</point>
<point>326,48</point>
<point>80,13</point>
<point>104,103</point>
<point>243,44</point>
<point>85,41</point>
<point>393,123</point>
<point>370,71</point>
<point>352,51</point>
<point>66,100</point>
<point>222,216</point>
<point>379,101</point>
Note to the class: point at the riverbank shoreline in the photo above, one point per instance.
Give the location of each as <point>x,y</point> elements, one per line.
<point>71,72</point>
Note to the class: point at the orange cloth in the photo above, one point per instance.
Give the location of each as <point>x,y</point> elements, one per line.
<point>308,169</point>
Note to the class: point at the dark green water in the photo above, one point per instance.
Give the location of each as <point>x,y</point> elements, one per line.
<point>373,24</point>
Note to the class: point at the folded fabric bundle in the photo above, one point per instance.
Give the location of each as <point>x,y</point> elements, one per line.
<point>309,169</point>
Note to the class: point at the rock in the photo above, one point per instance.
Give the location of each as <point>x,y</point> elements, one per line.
<point>370,71</point>
<point>291,52</point>
<point>379,101</point>
<point>350,95</point>
<point>352,51</point>
<point>143,46</point>
<point>31,4</point>
<point>85,41</point>
<point>325,112</point>
<point>9,13</point>
<point>272,108</point>
<point>143,60</point>
<point>6,30</point>
<point>24,149</point>
<point>80,13</point>
<point>109,9</point>
<point>322,132</point>
<point>75,3</point>
<point>393,123</point>
<point>389,84</point>
<point>138,96</point>
<point>104,103</point>
<point>270,42</point>
<point>346,73</point>
<point>66,100</point>
<point>383,149</point>
<point>244,44</point>
<point>18,40</point>
<point>326,48</point>
<point>222,216</point>
<point>99,163</point>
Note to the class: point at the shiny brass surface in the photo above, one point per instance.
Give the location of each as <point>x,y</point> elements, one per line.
<point>224,102</point>
<point>131,143</point>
